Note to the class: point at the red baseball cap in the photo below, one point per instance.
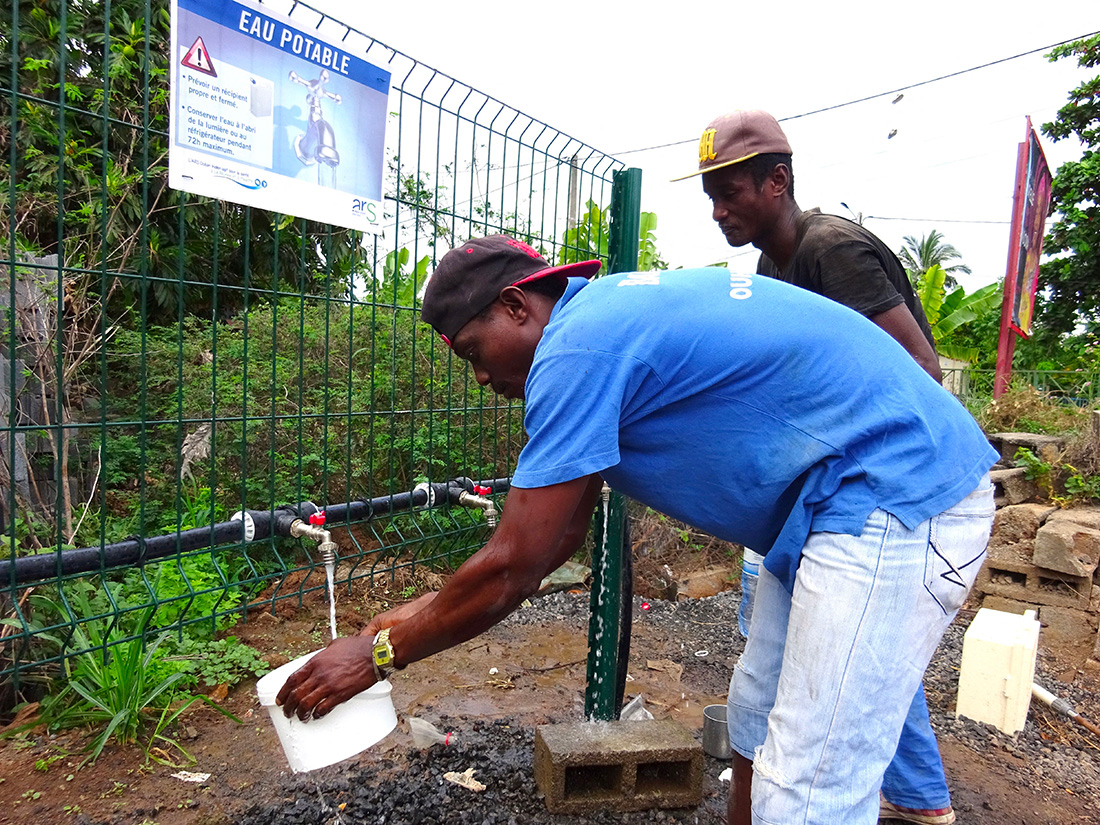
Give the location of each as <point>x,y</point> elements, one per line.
<point>470,277</point>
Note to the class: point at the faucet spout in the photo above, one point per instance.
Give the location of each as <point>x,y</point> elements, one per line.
<point>482,503</point>
<point>325,545</point>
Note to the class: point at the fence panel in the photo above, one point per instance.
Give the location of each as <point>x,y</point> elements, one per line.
<point>167,359</point>
<point>974,387</point>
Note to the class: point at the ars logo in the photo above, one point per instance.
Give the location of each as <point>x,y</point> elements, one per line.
<point>363,208</point>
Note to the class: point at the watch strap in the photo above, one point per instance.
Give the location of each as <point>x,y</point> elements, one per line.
<point>382,654</point>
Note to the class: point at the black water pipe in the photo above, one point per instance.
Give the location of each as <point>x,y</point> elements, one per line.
<point>246,526</point>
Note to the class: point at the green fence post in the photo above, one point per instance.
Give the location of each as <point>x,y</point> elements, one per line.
<point>606,625</point>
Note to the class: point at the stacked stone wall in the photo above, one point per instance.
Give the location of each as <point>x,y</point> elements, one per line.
<point>1044,558</point>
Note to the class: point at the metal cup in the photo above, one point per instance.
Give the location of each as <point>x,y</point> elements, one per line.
<point>716,735</point>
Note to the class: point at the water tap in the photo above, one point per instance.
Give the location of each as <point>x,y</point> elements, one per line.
<point>315,531</point>
<point>480,499</point>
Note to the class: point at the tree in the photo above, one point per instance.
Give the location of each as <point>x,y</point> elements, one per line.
<point>919,256</point>
<point>948,312</point>
<point>1070,282</point>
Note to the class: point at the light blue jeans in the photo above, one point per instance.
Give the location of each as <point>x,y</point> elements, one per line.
<point>820,696</point>
<point>914,777</point>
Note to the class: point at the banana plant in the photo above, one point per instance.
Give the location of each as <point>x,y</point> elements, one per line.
<point>407,281</point>
<point>947,312</point>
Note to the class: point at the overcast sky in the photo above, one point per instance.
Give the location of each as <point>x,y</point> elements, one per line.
<point>625,76</point>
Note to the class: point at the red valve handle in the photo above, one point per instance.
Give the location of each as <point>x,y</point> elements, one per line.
<point>318,518</point>
<point>482,491</point>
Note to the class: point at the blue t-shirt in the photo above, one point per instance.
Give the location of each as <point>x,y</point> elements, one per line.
<point>749,408</point>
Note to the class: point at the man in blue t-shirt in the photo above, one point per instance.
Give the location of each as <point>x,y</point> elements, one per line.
<point>719,398</point>
<point>746,170</point>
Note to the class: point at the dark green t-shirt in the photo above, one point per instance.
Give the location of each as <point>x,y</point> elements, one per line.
<point>845,262</point>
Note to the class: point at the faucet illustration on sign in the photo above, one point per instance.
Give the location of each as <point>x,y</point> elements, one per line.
<point>317,145</point>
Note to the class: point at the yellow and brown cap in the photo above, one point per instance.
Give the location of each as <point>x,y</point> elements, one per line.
<point>738,136</point>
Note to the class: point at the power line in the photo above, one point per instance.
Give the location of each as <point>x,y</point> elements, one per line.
<point>880,94</point>
<point>929,220</point>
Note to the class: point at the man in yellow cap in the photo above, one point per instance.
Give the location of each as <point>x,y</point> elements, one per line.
<point>746,169</point>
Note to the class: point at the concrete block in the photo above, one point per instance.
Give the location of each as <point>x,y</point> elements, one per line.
<point>1025,582</point>
<point>1044,446</point>
<point>1012,486</point>
<point>1014,530</point>
<point>1067,547</point>
<point>585,767</point>
<point>1008,605</point>
<point>997,669</point>
<point>1085,516</point>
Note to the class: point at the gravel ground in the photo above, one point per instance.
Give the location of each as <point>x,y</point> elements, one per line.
<point>406,786</point>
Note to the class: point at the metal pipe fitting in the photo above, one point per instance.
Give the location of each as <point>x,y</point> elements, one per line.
<point>325,545</point>
<point>485,503</point>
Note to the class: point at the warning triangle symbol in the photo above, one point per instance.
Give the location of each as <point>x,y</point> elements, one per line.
<point>198,58</point>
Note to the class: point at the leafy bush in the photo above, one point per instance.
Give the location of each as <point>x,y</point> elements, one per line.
<point>1062,482</point>
<point>113,686</point>
<point>225,661</point>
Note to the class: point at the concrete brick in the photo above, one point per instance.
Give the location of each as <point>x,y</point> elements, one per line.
<point>1067,547</point>
<point>1008,605</point>
<point>1044,446</point>
<point>1025,582</point>
<point>586,767</point>
<point>1012,486</point>
<point>1014,530</point>
<point>1085,516</point>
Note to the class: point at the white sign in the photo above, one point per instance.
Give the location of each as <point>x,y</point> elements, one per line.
<point>266,114</point>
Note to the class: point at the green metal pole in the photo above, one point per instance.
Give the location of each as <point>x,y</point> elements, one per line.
<point>606,625</point>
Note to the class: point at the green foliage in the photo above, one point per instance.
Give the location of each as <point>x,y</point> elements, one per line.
<point>318,383</point>
<point>1070,279</point>
<point>918,256</point>
<point>946,314</point>
<point>1079,486</point>
<point>588,240</point>
<point>113,687</point>
<point>1035,469</point>
<point>224,661</point>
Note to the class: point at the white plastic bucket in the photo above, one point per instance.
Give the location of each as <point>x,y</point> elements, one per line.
<point>351,727</point>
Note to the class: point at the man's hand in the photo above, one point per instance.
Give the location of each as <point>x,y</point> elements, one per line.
<point>343,669</point>
<point>397,615</point>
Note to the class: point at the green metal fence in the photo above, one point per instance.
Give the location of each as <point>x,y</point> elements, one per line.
<point>974,387</point>
<point>167,359</point>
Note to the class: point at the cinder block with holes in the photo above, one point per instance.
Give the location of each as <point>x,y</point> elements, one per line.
<point>586,767</point>
<point>1028,583</point>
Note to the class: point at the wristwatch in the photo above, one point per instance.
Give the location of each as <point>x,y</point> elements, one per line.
<point>383,654</point>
